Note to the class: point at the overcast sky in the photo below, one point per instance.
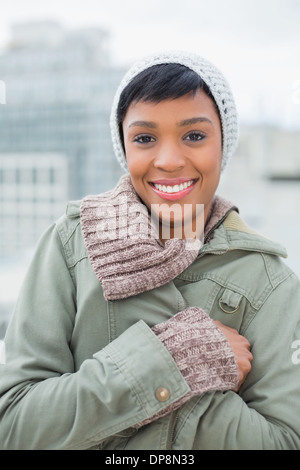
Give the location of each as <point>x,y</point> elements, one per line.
<point>256,43</point>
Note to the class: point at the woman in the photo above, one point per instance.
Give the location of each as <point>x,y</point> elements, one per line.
<point>134,324</point>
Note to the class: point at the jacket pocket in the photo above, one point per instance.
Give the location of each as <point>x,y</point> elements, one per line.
<point>116,442</point>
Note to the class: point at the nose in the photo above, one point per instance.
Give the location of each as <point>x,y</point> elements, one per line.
<point>169,157</point>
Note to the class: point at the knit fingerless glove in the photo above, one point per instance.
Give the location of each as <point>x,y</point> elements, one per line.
<point>201,352</point>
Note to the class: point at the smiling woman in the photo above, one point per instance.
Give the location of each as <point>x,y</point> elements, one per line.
<point>140,338</point>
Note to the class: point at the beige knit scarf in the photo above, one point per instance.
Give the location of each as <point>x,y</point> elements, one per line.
<point>123,246</point>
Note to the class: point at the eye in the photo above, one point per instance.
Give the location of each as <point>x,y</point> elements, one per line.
<point>144,139</point>
<point>194,136</point>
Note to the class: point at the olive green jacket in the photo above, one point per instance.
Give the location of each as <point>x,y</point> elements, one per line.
<point>81,371</point>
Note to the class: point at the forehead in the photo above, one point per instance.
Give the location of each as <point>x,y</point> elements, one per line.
<point>191,105</point>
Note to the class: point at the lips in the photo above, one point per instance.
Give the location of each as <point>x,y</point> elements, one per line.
<point>173,189</point>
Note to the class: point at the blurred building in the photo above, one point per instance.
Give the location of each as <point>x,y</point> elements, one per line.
<point>272,153</point>
<point>59,91</point>
<point>33,190</point>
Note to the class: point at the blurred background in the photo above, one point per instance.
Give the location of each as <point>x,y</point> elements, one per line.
<point>60,64</point>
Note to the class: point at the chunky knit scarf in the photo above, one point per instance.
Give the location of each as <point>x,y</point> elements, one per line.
<point>123,245</point>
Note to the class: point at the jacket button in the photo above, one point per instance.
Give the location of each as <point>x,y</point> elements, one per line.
<point>162,394</point>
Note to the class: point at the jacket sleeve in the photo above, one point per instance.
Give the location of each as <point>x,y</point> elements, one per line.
<point>44,402</point>
<point>265,413</point>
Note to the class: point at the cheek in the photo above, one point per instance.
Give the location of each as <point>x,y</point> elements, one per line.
<point>131,158</point>
<point>134,164</point>
<point>217,161</point>
<point>211,162</point>
<point>137,169</point>
<point>137,162</point>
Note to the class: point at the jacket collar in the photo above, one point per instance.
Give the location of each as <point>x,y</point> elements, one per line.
<point>232,233</point>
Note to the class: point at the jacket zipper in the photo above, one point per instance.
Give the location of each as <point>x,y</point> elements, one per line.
<point>171,433</point>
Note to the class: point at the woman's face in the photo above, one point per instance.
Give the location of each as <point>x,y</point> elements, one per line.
<point>174,155</point>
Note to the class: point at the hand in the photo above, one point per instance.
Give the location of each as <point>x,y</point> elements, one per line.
<point>202,352</point>
<point>241,348</point>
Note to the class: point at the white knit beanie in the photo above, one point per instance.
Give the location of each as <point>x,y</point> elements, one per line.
<point>213,78</point>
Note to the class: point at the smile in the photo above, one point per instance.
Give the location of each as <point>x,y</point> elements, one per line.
<point>173,189</point>
<point>169,191</point>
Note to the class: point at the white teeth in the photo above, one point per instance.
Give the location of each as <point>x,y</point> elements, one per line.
<point>173,189</point>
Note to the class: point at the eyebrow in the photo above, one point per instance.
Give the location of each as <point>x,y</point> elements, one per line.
<point>185,122</point>
<point>194,120</point>
<point>149,124</point>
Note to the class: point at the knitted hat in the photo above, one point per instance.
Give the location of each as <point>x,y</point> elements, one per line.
<point>213,78</point>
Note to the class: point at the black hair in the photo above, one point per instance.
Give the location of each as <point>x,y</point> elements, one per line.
<point>158,83</point>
